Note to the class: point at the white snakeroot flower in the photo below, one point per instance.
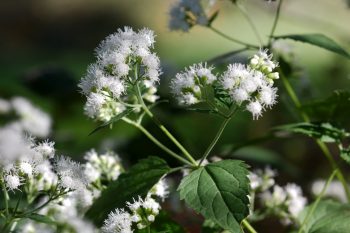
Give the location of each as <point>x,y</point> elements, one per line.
<point>47,178</point>
<point>255,108</point>
<point>118,221</point>
<point>160,189</point>
<point>70,173</point>
<point>107,166</point>
<point>251,85</point>
<point>108,82</point>
<point>46,149</point>
<point>26,168</point>
<point>32,119</point>
<point>187,85</point>
<point>12,182</point>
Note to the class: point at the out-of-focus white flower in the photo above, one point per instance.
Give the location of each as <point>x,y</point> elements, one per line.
<point>287,202</point>
<point>5,106</point>
<point>32,119</point>
<point>335,190</point>
<point>160,189</point>
<point>187,13</point>
<point>296,202</point>
<point>262,179</point>
<point>110,83</point>
<point>106,166</point>
<point>118,221</point>
<point>14,145</point>
<point>35,227</point>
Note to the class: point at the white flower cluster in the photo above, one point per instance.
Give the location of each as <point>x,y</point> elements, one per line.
<point>140,213</point>
<point>31,119</point>
<point>261,180</point>
<point>286,202</point>
<point>104,167</point>
<point>100,170</point>
<point>189,86</point>
<point>124,60</point>
<point>187,13</point>
<point>252,84</point>
<point>36,167</point>
<point>249,85</point>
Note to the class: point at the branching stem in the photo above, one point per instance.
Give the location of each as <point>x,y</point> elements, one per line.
<point>248,226</point>
<point>314,206</point>
<point>248,46</point>
<point>321,144</point>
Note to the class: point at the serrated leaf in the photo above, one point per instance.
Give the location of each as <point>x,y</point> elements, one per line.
<point>163,224</point>
<point>136,182</point>
<point>323,131</point>
<point>335,108</point>
<point>41,218</point>
<point>328,217</point>
<point>319,40</point>
<point>219,191</point>
<point>113,120</point>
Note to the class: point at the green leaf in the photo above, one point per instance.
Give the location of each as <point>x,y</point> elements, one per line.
<point>113,120</point>
<point>319,40</point>
<point>41,218</point>
<point>164,224</point>
<point>328,217</point>
<point>335,108</point>
<point>136,182</point>
<point>219,191</point>
<point>323,131</point>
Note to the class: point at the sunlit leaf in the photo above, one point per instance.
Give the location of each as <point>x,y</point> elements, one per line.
<point>319,40</point>
<point>219,191</point>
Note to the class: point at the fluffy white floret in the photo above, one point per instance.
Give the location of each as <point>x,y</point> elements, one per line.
<point>118,221</point>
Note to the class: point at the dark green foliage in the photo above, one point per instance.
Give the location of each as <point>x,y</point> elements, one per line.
<point>328,217</point>
<point>136,182</point>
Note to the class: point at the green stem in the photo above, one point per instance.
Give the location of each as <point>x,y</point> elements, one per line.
<point>314,206</point>
<point>215,140</point>
<point>275,22</point>
<point>162,127</point>
<point>321,144</point>
<point>249,46</point>
<point>6,196</point>
<point>293,96</point>
<point>155,141</point>
<point>250,21</point>
<point>248,226</point>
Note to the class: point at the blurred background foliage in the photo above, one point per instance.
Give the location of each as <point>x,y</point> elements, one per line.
<point>46,47</point>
